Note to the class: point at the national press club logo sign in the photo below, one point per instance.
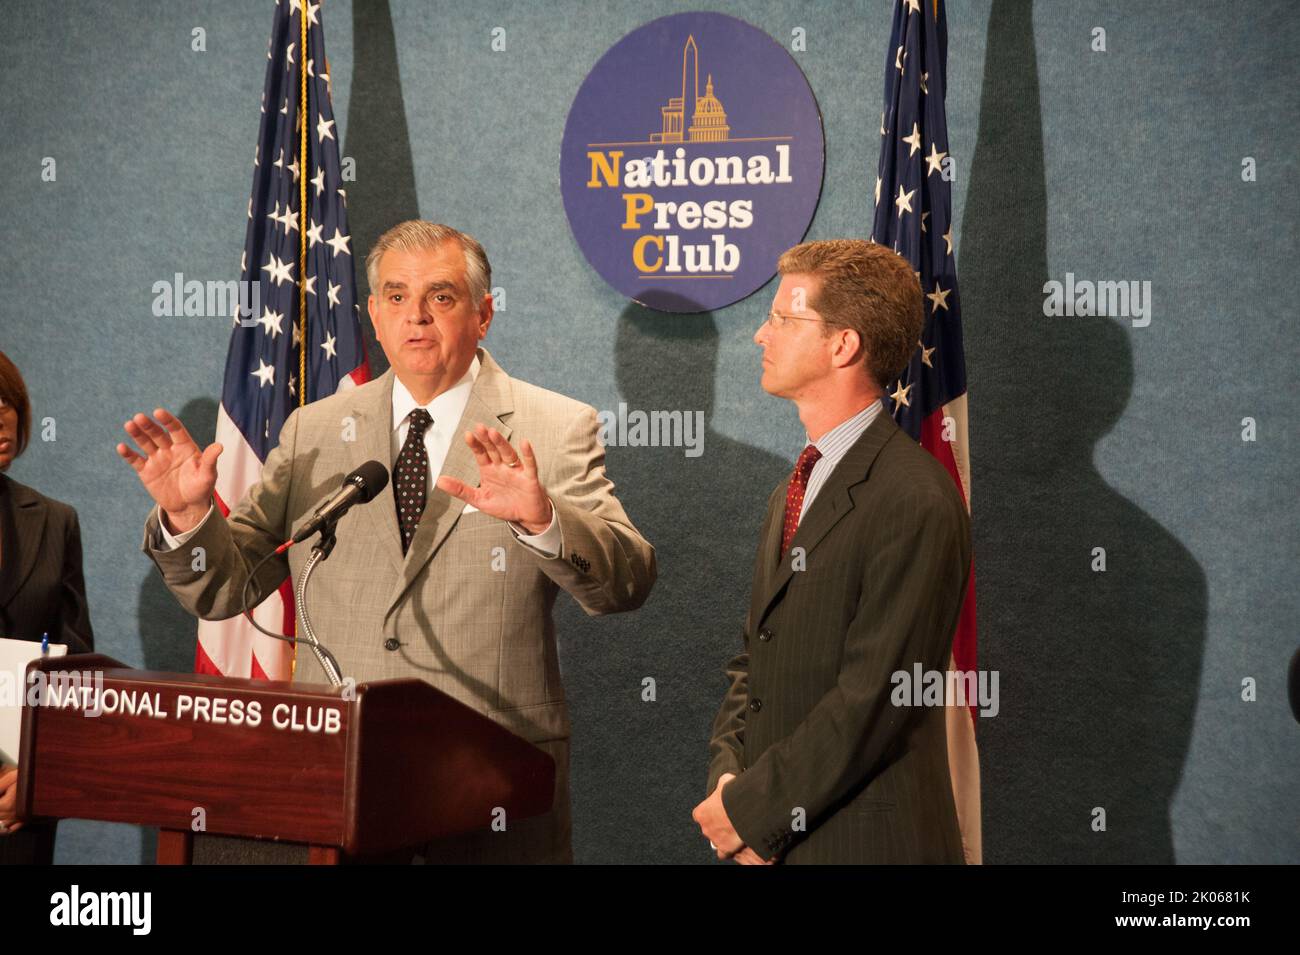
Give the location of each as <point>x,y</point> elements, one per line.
<point>692,158</point>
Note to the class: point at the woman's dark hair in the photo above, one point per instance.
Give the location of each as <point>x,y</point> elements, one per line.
<point>14,393</point>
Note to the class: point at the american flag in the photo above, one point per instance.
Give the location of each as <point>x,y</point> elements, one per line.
<point>264,380</point>
<point>913,216</point>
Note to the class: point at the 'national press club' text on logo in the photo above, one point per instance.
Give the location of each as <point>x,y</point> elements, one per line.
<point>692,157</point>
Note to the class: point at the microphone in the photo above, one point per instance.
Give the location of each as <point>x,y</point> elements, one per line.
<point>358,487</point>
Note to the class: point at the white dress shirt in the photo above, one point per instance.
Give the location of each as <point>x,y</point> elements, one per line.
<point>833,445</point>
<point>445,410</point>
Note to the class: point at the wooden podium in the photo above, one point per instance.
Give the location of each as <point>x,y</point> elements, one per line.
<point>352,773</point>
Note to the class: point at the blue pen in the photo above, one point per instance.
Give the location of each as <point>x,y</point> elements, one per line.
<point>45,644</point>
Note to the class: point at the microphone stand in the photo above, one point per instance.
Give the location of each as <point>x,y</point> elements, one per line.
<point>318,553</point>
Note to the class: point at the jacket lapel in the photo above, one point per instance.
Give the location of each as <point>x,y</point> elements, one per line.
<point>489,403</point>
<point>23,546</point>
<point>374,414</point>
<point>833,501</point>
<point>769,552</point>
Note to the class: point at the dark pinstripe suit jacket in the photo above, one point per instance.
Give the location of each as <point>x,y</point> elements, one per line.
<point>42,589</point>
<point>828,769</point>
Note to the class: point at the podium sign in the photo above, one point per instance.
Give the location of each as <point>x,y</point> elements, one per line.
<point>367,769</point>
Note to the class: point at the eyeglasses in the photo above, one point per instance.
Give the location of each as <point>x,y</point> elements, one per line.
<point>778,319</point>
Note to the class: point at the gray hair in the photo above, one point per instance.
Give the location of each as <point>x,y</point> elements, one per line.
<point>416,234</point>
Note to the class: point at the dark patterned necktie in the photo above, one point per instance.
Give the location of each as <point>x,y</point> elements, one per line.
<point>411,477</point>
<point>794,494</point>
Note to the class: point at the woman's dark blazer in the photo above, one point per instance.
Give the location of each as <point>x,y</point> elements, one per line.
<point>42,588</point>
<point>42,591</point>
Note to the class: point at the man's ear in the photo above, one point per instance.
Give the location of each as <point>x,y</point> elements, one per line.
<point>848,348</point>
<point>486,312</point>
<point>370,309</point>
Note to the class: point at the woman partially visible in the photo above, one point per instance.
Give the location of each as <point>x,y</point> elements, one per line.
<point>42,591</point>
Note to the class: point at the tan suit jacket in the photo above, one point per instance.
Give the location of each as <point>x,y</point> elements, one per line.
<point>469,607</point>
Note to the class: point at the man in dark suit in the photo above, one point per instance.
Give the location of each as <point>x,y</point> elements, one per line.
<point>860,574</point>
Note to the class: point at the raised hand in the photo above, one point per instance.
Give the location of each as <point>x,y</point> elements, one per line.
<point>177,474</point>
<point>508,485</point>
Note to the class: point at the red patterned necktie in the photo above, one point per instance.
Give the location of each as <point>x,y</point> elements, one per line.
<point>411,477</point>
<point>794,494</point>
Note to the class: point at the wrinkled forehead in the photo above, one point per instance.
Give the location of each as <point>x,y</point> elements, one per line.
<point>423,269</point>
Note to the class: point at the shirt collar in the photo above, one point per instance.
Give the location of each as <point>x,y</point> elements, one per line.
<point>845,434</point>
<point>448,406</point>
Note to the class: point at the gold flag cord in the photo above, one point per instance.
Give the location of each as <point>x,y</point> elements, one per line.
<point>302,216</point>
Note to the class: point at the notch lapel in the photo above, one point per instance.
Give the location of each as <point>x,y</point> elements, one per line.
<point>769,551</point>
<point>374,443</point>
<point>490,402</point>
<point>833,501</point>
<point>29,528</point>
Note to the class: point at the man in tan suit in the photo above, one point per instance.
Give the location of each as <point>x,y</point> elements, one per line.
<point>861,569</point>
<point>452,580</point>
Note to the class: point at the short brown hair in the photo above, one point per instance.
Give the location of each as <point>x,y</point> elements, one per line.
<point>14,393</point>
<point>870,289</point>
<point>415,234</point>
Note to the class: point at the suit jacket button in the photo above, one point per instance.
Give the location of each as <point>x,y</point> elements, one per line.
<point>391,643</point>
<point>765,634</point>
<point>755,705</point>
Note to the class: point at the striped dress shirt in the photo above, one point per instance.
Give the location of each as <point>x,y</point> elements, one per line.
<point>833,445</point>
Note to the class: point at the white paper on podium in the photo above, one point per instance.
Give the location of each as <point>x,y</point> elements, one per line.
<point>14,657</point>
